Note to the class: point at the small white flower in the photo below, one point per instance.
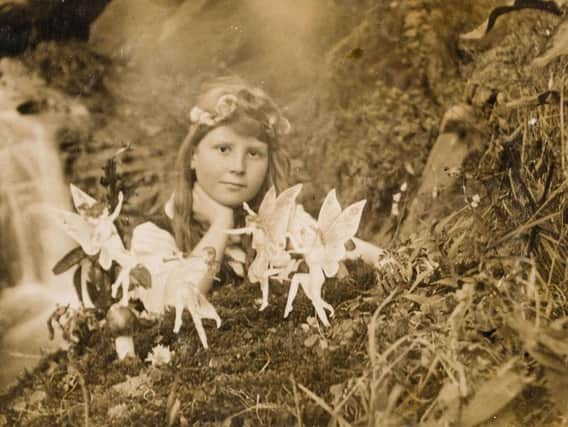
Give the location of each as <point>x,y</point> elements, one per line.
<point>475,201</point>
<point>532,121</point>
<point>160,355</point>
<point>404,187</point>
<point>396,197</point>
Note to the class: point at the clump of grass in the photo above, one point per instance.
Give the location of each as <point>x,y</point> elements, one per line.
<point>482,331</point>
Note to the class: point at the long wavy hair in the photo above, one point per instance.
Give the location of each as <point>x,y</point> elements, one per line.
<point>254,116</point>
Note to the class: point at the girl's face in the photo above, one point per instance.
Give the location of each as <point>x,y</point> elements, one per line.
<point>230,167</point>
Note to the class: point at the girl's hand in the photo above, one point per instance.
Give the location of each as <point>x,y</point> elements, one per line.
<point>205,208</point>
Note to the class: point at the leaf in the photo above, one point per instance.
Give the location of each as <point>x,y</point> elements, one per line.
<point>447,281</point>
<point>492,396</point>
<point>455,246</point>
<point>71,258</point>
<point>173,412</point>
<point>140,276</point>
<point>77,283</point>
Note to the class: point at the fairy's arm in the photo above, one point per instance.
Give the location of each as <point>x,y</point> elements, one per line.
<point>368,252</point>
<point>118,207</point>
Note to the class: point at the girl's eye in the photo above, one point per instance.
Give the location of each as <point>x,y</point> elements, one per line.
<point>256,154</point>
<point>224,148</point>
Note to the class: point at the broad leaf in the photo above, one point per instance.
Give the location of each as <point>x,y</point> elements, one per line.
<point>140,276</point>
<point>70,259</point>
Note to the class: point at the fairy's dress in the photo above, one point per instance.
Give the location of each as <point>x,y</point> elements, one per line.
<point>155,247</point>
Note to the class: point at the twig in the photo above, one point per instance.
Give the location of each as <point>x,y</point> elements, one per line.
<point>519,230</point>
<point>533,222</point>
<point>266,364</point>
<point>296,401</point>
<point>20,355</point>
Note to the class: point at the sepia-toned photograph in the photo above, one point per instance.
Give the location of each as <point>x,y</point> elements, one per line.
<point>237,213</point>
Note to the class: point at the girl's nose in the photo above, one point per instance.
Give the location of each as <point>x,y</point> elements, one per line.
<point>238,162</point>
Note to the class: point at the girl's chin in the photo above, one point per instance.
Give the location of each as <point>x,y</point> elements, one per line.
<point>232,201</point>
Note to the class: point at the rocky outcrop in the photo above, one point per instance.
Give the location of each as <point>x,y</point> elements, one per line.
<point>25,23</point>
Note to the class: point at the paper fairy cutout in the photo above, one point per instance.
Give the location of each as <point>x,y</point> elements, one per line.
<point>322,244</point>
<point>94,230</point>
<point>175,279</point>
<point>269,228</point>
<point>92,227</point>
<point>283,236</point>
<point>184,280</point>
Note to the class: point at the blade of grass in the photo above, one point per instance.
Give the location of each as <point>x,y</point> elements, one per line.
<point>321,403</point>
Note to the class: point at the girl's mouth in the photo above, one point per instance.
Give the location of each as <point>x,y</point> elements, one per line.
<point>233,185</point>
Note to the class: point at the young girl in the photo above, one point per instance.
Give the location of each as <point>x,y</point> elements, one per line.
<point>231,155</point>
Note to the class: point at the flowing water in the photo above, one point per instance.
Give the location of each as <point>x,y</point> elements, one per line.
<point>30,184</point>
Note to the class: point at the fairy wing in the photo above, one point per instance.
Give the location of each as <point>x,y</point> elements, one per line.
<point>302,228</point>
<point>268,203</point>
<point>334,237</point>
<point>329,211</point>
<point>112,249</point>
<point>344,226</point>
<point>279,220</point>
<point>78,229</point>
<point>80,198</point>
<point>149,239</point>
<point>264,212</point>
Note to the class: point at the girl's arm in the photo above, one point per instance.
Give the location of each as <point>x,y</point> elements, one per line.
<point>221,218</point>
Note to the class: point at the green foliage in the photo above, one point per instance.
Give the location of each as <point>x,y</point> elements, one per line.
<point>72,258</point>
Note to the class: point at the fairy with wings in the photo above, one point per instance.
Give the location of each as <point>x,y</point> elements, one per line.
<point>269,228</point>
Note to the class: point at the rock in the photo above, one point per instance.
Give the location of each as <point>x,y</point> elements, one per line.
<point>456,140</point>
<point>24,24</point>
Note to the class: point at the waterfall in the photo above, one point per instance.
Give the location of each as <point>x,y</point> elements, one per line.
<point>31,183</point>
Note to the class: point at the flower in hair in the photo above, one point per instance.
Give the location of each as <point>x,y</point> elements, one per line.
<point>275,124</point>
<point>197,115</point>
<point>226,106</point>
